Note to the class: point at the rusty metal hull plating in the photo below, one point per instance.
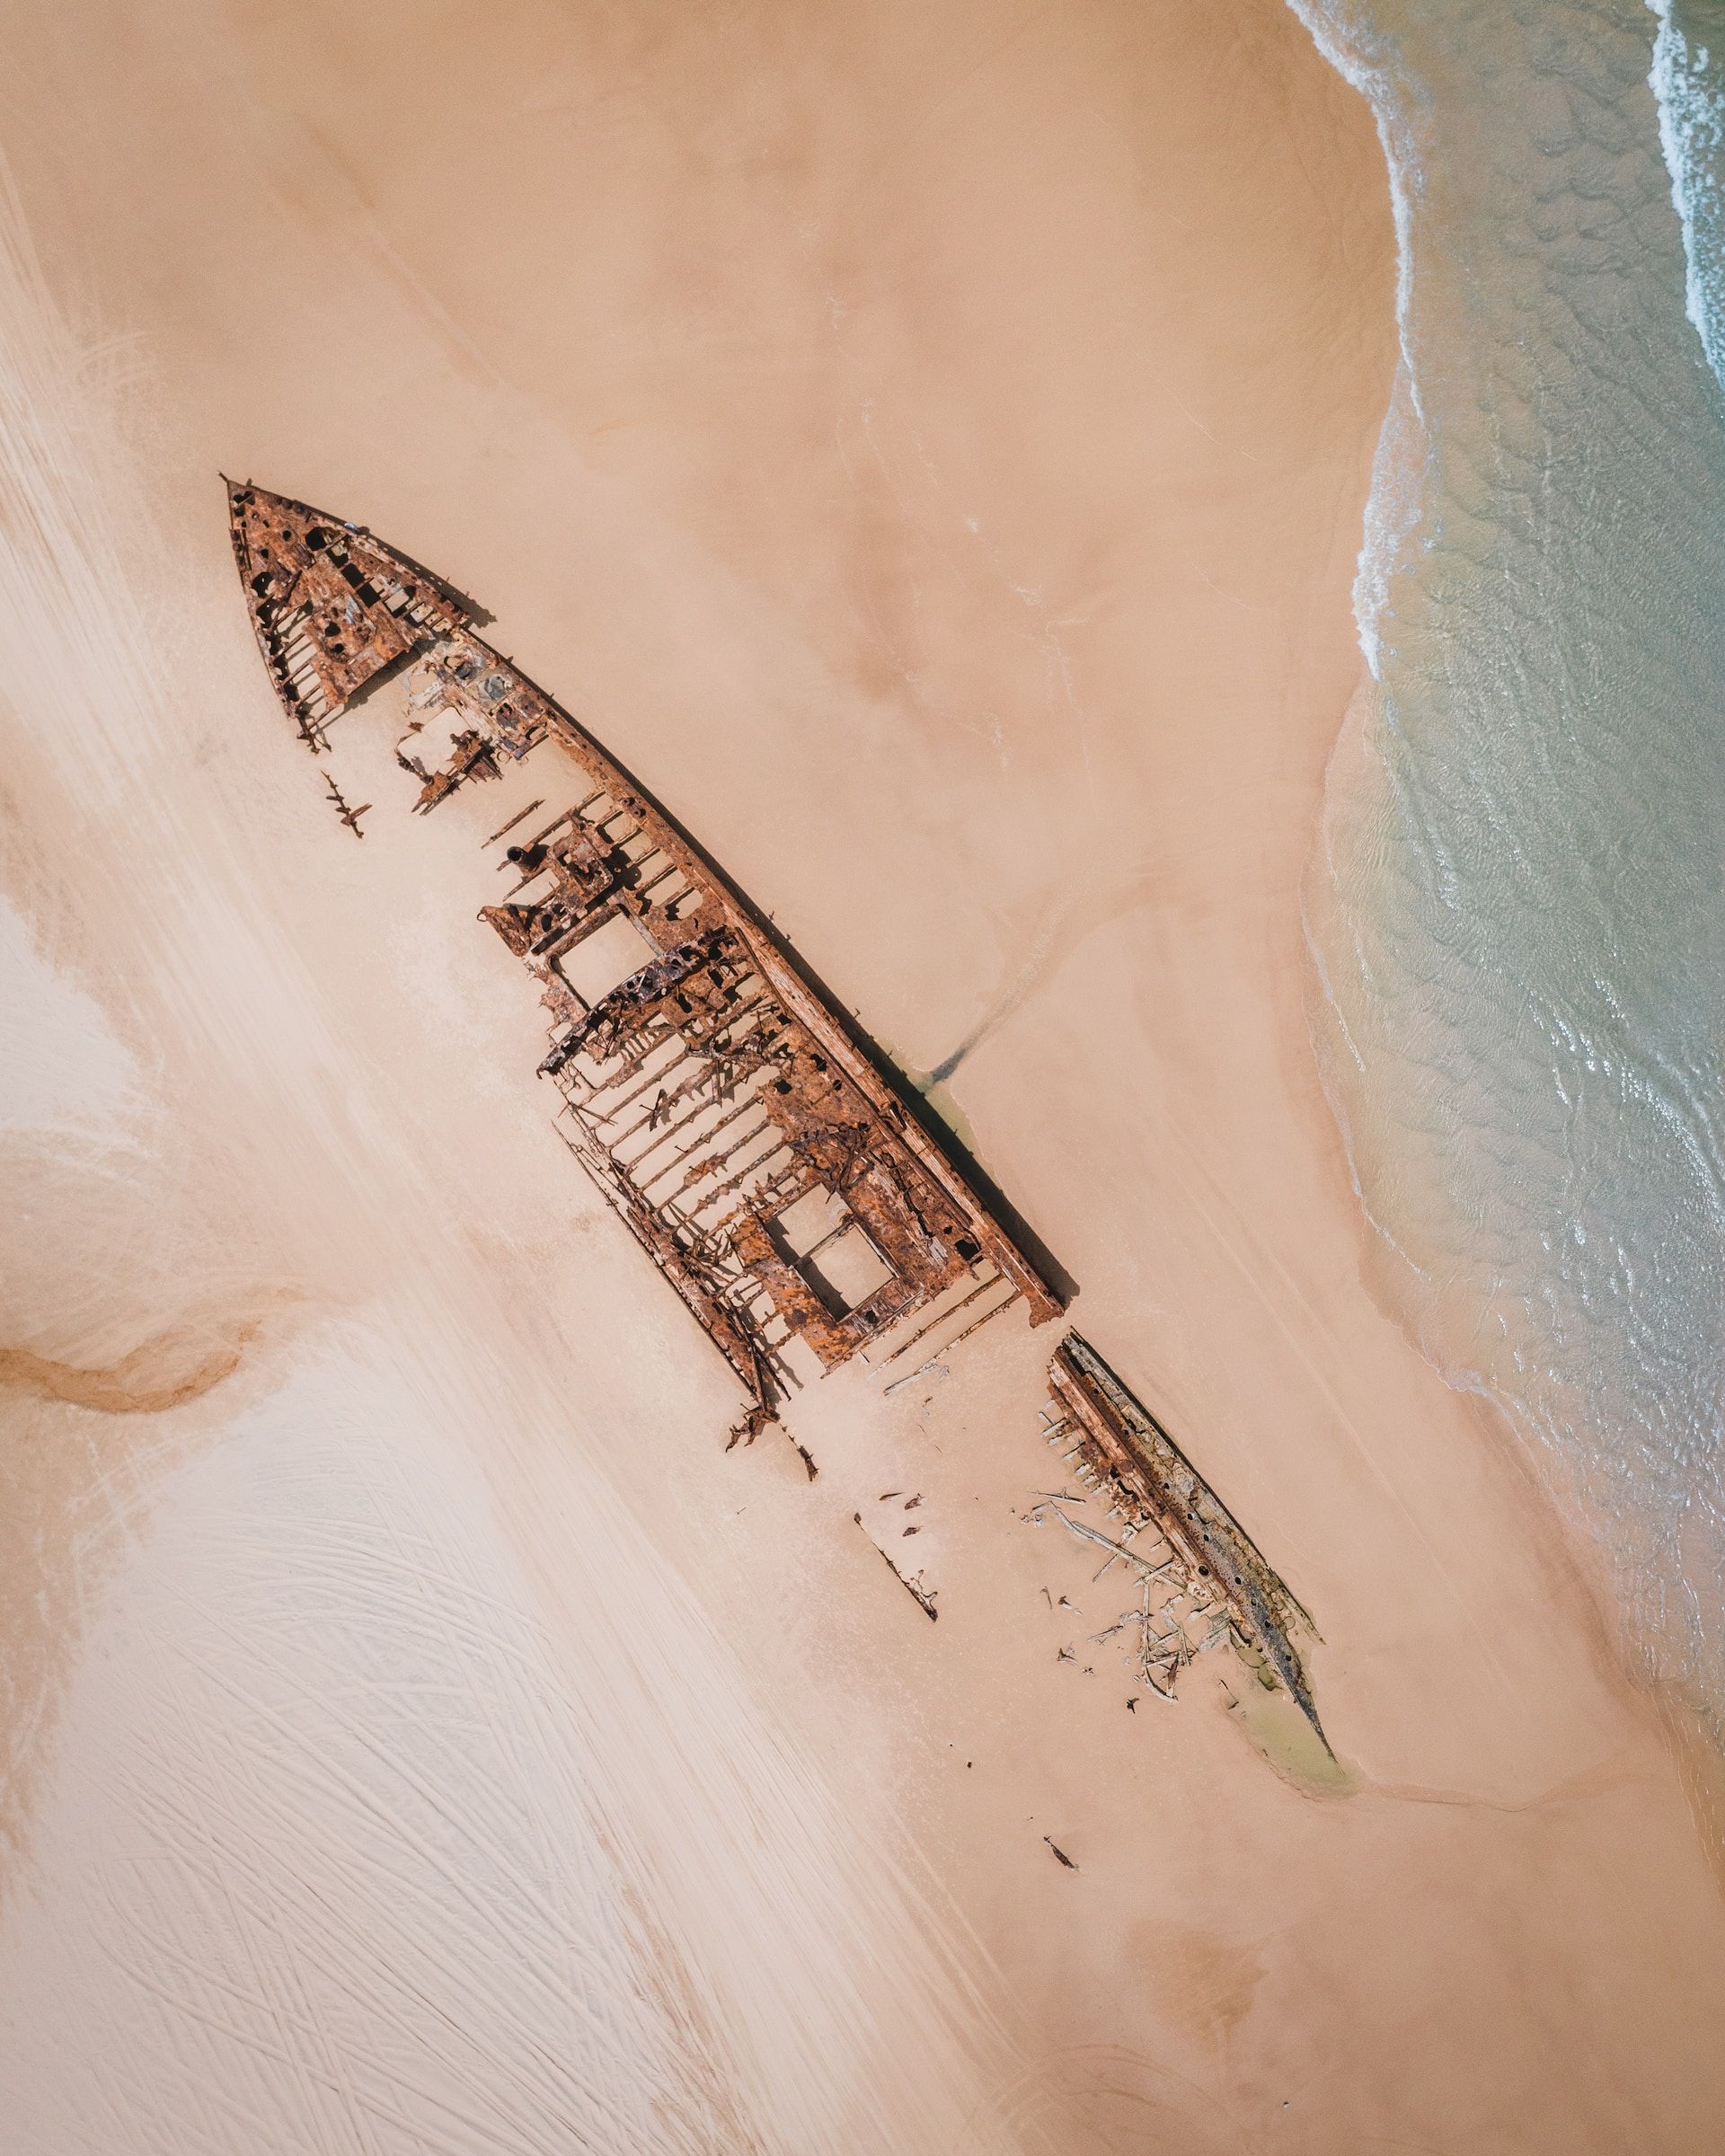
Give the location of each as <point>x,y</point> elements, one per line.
<point>735,1120</point>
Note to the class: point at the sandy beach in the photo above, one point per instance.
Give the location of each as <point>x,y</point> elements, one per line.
<point>929,448</point>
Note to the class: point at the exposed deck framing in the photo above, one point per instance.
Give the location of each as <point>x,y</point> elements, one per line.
<point>713,1094</point>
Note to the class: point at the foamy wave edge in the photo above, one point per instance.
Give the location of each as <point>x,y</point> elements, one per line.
<point>1692,131</point>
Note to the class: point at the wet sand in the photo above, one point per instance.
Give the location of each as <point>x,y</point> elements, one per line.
<point>929,449</point>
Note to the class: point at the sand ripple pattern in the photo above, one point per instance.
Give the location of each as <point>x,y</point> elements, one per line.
<point>404,1799</point>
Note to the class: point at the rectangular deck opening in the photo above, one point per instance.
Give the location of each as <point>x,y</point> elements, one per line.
<point>847,1271</point>
<point>826,1244</point>
<point>605,958</point>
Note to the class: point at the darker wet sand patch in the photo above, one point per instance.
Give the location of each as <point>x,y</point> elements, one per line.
<point>135,1385</point>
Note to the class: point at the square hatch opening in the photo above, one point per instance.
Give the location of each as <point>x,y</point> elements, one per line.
<point>810,1219</point>
<point>847,1271</point>
<point>605,958</point>
<point>826,1244</point>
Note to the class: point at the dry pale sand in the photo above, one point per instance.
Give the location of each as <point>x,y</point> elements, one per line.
<point>929,445</point>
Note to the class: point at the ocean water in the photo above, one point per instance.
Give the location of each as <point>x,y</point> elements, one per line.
<point>1518,906</point>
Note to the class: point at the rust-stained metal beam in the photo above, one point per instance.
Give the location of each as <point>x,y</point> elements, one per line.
<point>897,1219</point>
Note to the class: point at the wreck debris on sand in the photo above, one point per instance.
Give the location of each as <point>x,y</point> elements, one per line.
<point>345,812</point>
<point>759,1151</point>
<point>743,1130</point>
<point>1202,1577</point>
<point>329,608</point>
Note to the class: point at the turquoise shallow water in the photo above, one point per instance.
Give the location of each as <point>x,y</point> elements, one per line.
<point>1519,906</point>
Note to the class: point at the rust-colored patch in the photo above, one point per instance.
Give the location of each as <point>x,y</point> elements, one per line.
<point>125,1387</point>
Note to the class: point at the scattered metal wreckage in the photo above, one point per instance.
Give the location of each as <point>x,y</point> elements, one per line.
<point>755,1146</point>
<point>1201,1579</point>
<point>345,813</point>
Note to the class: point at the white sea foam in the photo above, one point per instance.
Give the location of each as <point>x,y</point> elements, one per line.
<point>1343,35</point>
<point>1688,87</point>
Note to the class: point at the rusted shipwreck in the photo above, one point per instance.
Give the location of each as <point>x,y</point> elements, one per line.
<point>1201,1579</point>
<point>759,1150</point>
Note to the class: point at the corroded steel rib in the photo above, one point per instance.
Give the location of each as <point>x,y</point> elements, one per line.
<point>332,609</point>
